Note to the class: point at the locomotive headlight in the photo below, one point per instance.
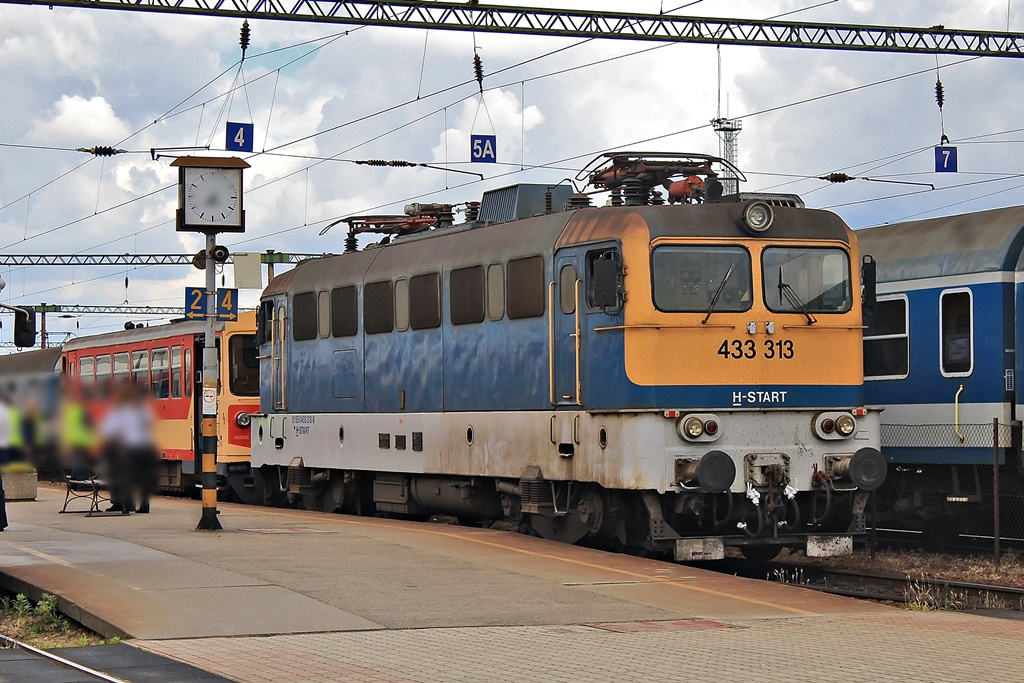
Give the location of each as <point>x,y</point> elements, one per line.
<point>758,217</point>
<point>243,419</point>
<point>845,424</point>
<point>693,427</point>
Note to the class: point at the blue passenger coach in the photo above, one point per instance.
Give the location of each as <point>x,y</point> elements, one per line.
<point>940,354</point>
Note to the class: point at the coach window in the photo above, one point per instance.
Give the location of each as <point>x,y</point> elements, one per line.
<point>122,370</point>
<point>956,326</point>
<point>526,287</point>
<point>886,342</point>
<point>323,313</point>
<point>175,372</point>
<point>567,288</point>
<point>378,307</point>
<point>103,370</point>
<point>402,305</point>
<point>425,301</point>
<point>188,373</point>
<point>688,278</point>
<point>495,291</point>
<point>344,312</point>
<point>140,370</point>
<point>86,369</point>
<point>160,369</point>
<point>466,295</point>
<point>304,318</point>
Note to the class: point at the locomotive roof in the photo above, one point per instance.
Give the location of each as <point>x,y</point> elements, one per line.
<point>30,362</point>
<point>984,241</point>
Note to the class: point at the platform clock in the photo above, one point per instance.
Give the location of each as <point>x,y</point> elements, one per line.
<point>210,194</point>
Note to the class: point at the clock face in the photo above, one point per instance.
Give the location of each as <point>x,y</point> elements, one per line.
<point>212,197</point>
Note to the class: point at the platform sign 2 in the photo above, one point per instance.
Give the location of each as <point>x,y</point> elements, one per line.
<point>483,149</point>
<point>945,159</point>
<point>239,137</point>
<point>195,303</point>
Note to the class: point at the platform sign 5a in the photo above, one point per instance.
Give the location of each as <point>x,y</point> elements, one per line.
<point>195,303</point>
<point>945,159</point>
<point>239,137</point>
<point>483,149</point>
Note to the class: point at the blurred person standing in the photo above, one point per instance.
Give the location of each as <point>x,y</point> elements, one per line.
<point>5,442</point>
<point>77,439</point>
<point>128,435</point>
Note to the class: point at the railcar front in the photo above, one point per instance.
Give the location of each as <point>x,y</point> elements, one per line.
<point>676,378</point>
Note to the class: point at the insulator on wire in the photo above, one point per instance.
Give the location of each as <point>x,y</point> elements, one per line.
<point>101,151</point>
<point>940,95</point>
<point>478,69</point>
<point>244,39</point>
<point>837,177</point>
<point>382,162</point>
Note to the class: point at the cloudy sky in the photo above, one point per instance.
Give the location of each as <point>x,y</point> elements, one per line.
<point>322,95</point>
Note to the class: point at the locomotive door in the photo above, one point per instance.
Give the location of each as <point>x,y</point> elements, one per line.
<point>566,342</point>
<point>277,336</point>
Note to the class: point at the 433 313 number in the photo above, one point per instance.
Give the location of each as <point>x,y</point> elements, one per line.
<point>781,349</point>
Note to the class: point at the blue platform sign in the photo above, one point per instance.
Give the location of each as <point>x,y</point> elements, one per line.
<point>195,303</point>
<point>945,159</point>
<point>239,137</point>
<point>483,149</point>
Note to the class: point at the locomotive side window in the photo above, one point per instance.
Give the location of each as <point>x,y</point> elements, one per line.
<point>495,291</point>
<point>466,295</point>
<point>161,373</point>
<point>344,312</point>
<point>567,288</point>
<point>402,304</point>
<point>526,287</point>
<point>688,278</point>
<point>806,280</point>
<point>175,372</point>
<point>886,342</point>
<point>323,313</point>
<point>425,301</point>
<point>956,333</point>
<point>304,317</point>
<point>245,368</point>
<point>378,307</point>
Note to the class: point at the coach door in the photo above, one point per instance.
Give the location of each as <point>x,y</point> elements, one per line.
<point>566,342</point>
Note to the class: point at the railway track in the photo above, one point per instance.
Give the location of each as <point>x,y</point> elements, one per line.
<point>58,662</point>
<point>928,593</point>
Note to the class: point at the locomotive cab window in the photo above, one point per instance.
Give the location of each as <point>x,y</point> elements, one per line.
<point>886,342</point>
<point>956,322</point>
<point>604,279</point>
<point>245,367</point>
<point>264,321</point>
<point>304,316</point>
<point>687,278</point>
<point>806,280</point>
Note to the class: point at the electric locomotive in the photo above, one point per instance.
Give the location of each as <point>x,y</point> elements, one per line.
<point>674,377</point>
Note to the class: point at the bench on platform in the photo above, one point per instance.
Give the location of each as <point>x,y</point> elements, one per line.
<point>86,486</point>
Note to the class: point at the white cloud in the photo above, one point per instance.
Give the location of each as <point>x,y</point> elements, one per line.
<point>81,121</point>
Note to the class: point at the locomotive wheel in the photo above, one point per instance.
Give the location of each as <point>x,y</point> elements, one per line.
<point>567,529</point>
<point>326,499</point>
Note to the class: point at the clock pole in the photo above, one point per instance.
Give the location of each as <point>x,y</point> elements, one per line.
<point>210,202</point>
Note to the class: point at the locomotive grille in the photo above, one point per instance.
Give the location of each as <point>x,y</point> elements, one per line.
<point>535,494</point>
<point>297,476</point>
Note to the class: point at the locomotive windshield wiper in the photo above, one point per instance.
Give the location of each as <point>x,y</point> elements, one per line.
<point>793,298</point>
<point>718,292</point>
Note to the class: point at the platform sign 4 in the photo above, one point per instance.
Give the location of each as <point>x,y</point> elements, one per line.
<point>945,159</point>
<point>195,303</point>
<point>239,137</point>
<point>483,149</point>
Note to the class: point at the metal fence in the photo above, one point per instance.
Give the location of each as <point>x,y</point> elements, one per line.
<point>952,487</point>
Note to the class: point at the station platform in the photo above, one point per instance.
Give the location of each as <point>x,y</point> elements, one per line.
<point>287,595</point>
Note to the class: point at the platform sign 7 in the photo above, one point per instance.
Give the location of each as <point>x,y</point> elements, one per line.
<point>945,159</point>
<point>239,137</point>
<point>483,149</point>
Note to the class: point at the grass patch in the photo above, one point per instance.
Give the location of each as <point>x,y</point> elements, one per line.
<point>42,625</point>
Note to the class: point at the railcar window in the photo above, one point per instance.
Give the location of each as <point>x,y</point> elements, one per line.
<point>245,368</point>
<point>323,313</point>
<point>161,373</point>
<point>86,369</point>
<point>402,305</point>
<point>344,312</point>
<point>378,307</point>
<point>804,279</point>
<point>466,295</point>
<point>175,372</point>
<point>122,368</point>
<point>688,277</point>
<point>425,301</point>
<point>886,342</point>
<point>495,291</point>
<point>567,288</point>
<point>304,316</point>
<point>188,373</point>
<point>140,370</point>
<point>526,287</point>
<point>103,369</point>
<point>956,332</point>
